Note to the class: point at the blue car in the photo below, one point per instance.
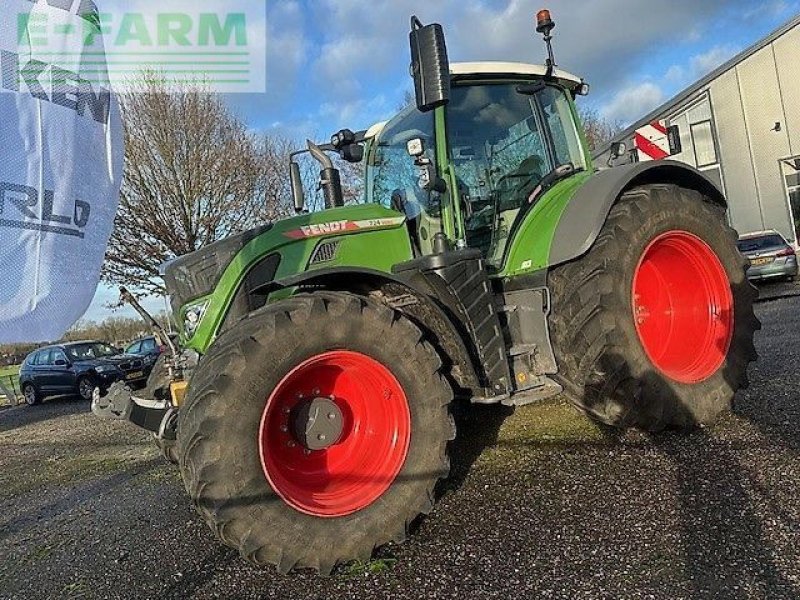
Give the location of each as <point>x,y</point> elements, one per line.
<point>75,368</point>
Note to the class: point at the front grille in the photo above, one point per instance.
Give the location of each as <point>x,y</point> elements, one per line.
<point>131,365</point>
<point>196,275</point>
<point>324,252</point>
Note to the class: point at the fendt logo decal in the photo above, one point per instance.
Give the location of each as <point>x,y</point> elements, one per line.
<point>333,227</point>
<point>17,204</point>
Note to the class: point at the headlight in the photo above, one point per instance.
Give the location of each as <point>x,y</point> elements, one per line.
<point>192,317</point>
<point>105,368</point>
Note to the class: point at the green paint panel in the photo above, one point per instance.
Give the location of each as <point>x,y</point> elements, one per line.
<point>377,245</point>
<point>530,248</point>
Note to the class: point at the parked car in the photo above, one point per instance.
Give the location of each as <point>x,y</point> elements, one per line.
<point>148,349</point>
<point>770,255</point>
<point>76,368</point>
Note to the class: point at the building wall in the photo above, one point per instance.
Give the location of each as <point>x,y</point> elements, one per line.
<point>749,156</point>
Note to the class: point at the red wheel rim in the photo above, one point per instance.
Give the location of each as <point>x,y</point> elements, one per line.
<point>361,465</point>
<point>683,307</point>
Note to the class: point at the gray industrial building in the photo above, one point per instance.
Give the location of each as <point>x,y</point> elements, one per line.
<point>740,125</point>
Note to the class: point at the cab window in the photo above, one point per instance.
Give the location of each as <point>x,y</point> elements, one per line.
<point>561,124</point>
<point>503,143</point>
<point>393,179</point>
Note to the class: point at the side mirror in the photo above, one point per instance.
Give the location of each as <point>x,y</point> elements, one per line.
<point>430,67</point>
<point>60,362</point>
<point>352,153</point>
<point>618,149</point>
<point>297,187</point>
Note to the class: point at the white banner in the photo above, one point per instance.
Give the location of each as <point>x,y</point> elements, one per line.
<point>61,160</point>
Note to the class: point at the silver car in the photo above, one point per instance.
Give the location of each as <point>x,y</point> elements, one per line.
<point>770,255</point>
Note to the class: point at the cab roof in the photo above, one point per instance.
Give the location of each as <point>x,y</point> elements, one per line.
<point>498,69</point>
<point>492,70</point>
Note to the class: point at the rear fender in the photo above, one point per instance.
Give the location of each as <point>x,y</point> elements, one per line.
<point>587,211</point>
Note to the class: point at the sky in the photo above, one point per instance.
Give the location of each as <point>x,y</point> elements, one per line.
<point>344,63</point>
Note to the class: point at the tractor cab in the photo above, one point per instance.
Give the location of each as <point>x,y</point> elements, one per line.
<point>471,170</point>
<point>471,158</point>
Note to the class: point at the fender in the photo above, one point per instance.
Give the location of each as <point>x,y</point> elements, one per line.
<point>587,211</point>
<point>410,295</point>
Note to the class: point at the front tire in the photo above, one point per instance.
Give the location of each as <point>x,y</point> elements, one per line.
<point>287,489</point>
<point>86,387</point>
<point>31,395</point>
<point>654,326</point>
<point>167,448</point>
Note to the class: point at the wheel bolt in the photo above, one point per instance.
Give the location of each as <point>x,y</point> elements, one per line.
<point>287,410</point>
<point>316,391</point>
<point>306,451</point>
<point>331,416</point>
<point>321,437</point>
<point>291,444</point>
<point>284,428</point>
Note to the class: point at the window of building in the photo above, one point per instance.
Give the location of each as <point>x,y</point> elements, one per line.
<point>791,172</point>
<point>703,140</point>
<point>696,128</point>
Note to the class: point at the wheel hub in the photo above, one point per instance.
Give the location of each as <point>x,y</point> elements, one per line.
<point>334,434</point>
<point>683,307</point>
<point>317,424</point>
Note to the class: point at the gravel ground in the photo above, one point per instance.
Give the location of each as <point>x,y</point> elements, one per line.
<point>541,503</point>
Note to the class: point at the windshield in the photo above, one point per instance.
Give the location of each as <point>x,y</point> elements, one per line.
<point>90,351</point>
<point>503,143</point>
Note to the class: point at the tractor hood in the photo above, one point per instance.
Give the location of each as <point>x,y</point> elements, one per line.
<point>195,275</point>
<point>198,274</point>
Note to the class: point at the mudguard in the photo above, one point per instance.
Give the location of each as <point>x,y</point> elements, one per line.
<point>587,211</point>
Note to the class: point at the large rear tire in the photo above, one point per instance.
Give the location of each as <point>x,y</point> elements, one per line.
<point>654,326</point>
<point>287,489</point>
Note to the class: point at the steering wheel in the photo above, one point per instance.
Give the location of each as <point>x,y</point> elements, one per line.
<point>505,182</point>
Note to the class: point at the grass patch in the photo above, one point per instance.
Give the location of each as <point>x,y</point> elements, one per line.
<point>76,589</point>
<point>551,422</point>
<point>63,471</point>
<point>363,568</point>
<point>6,372</point>
<point>9,377</point>
<point>541,427</point>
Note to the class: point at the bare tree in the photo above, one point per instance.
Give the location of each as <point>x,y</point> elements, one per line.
<point>599,130</point>
<point>193,175</point>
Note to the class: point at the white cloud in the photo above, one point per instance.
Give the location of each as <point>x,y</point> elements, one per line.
<point>597,41</point>
<point>633,102</point>
<point>700,65</point>
<point>703,64</point>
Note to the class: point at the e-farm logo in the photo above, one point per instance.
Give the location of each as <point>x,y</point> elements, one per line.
<point>112,46</point>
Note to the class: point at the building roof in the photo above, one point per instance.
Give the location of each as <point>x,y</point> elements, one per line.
<point>701,84</point>
<point>509,68</point>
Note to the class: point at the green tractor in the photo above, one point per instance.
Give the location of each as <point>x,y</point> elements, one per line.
<point>488,261</point>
